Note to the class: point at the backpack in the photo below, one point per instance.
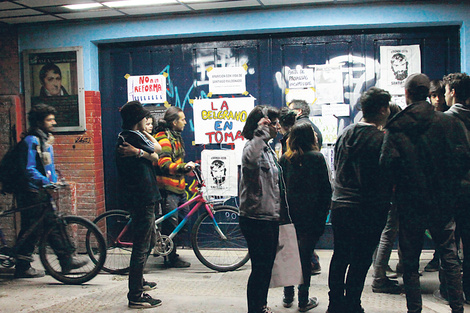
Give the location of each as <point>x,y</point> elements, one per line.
<point>10,171</point>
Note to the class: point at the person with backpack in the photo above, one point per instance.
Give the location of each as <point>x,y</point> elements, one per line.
<point>36,169</point>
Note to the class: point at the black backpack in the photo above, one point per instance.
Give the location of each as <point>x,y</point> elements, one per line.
<point>11,175</point>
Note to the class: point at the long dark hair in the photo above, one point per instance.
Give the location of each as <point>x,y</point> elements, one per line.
<point>171,115</point>
<point>255,115</point>
<point>301,140</point>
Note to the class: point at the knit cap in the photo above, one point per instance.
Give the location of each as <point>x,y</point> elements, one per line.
<point>132,113</point>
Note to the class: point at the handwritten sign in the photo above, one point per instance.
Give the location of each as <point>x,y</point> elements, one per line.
<point>227,80</point>
<point>147,88</point>
<point>300,78</point>
<point>220,120</point>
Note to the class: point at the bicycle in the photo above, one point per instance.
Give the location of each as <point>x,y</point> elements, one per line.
<point>82,238</point>
<point>216,237</point>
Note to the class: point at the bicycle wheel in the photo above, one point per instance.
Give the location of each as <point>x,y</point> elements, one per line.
<point>75,233</point>
<point>118,257</point>
<point>211,249</point>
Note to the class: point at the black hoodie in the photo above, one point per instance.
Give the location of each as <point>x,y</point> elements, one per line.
<point>426,154</point>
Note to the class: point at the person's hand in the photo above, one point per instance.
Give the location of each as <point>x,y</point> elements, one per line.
<point>190,166</point>
<point>128,150</point>
<point>264,121</point>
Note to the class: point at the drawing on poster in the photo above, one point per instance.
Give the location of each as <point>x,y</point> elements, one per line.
<point>396,64</point>
<point>220,171</point>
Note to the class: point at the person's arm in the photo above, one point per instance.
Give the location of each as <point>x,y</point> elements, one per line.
<point>32,172</point>
<point>167,165</point>
<point>157,146</point>
<point>128,150</point>
<point>254,148</point>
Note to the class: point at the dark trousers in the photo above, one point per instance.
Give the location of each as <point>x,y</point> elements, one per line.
<point>307,241</point>
<point>262,238</point>
<point>356,234</point>
<point>25,245</point>
<point>463,224</point>
<point>143,238</point>
<point>411,236</point>
<point>171,201</point>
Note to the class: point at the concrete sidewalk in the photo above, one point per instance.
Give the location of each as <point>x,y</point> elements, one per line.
<point>192,290</point>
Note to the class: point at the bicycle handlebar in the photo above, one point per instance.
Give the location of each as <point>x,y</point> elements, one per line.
<point>198,175</point>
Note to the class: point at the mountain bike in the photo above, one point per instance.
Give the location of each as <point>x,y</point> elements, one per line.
<point>216,238</point>
<point>79,236</point>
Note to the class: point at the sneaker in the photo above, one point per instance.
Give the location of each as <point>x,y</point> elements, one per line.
<point>432,266</point>
<point>144,302</point>
<point>386,286</point>
<point>316,268</point>
<point>72,263</point>
<point>312,303</point>
<point>265,309</point>
<point>149,285</point>
<point>438,296</point>
<point>288,297</point>
<point>177,263</point>
<point>29,273</point>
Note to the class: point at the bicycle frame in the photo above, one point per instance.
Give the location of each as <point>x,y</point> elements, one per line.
<point>199,200</point>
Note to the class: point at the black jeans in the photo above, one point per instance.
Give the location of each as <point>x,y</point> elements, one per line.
<point>411,236</point>
<point>307,240</point>
<point>463,224</point>
<point>38,201</point>
<point>262,238</point>
<point>356,234</point>
<point>171,201</point>
<point>143,238</point>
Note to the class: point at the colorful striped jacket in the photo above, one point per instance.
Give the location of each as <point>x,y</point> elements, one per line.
<point>171,164</point>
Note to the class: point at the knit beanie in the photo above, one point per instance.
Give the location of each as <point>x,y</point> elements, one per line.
<point>132,113</point>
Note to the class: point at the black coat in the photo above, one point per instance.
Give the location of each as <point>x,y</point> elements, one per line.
<point>426,153</point>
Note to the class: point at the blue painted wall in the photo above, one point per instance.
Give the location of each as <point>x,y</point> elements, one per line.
<point>89,34</point>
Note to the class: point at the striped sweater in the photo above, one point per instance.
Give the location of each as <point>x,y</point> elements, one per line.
<point>171,161</point>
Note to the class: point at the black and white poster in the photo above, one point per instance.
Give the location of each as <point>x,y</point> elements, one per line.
<point>219,169</point>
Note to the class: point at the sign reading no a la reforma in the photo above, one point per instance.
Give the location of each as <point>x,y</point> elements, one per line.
<point>221,120</point>
<point>146,88</point>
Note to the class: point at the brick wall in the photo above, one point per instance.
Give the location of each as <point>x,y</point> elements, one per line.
<point>79,157</point>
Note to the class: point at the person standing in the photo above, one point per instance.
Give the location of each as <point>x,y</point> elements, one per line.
<point>171,172</point>
<point>360,202</point>
<point>418,146</point>
<point>308,192</point>
<point>138,194</point>
<point>260,202</point>
<point>36,160</point>
<point>457,94</point>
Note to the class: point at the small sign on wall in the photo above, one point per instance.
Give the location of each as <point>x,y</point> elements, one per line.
<point>227,80</point>
<point>146,88</point>
<point>220,172</point>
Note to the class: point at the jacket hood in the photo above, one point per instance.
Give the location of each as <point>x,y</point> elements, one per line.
<point>462,112</point>
<point>356,136</point>
<point>414,118</point>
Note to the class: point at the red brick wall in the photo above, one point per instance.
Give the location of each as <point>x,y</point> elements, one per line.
<point>79,157</point>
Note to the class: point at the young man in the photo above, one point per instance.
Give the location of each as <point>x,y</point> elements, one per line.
<point>426,153</point>
<point>303,111</point>
<point>457,94</point>
<point>139,194</point>
<point>36,159</point>
<point>360,202</point>
<point>172,171</point>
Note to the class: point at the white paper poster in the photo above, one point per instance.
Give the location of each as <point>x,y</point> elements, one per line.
<point>220,121</point>
<point>329,83</point>
<point>396,64</point>
<point>146,88</point>
<point>300,78</point>
<point>227,80</point>
<point>328,126</point>
<point>220,172</point>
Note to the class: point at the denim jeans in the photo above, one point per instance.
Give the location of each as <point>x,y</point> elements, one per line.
<point>262,238</point>
<point>144,238</point>
<point>387,238</point>
<point>170,202</point>
<point>411,236</point>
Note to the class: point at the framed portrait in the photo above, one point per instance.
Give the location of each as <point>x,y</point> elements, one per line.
<point>55,77</point>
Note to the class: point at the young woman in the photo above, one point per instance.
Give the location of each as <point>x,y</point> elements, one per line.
<point>308,192</point>
<point>260,202</point>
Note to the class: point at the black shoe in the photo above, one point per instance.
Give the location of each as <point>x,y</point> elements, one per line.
<point>312,303</point>
<point>287,301</point>
<point>144,302</point>
<point>71,264</point>
<point>316,268</point>
<point>29,273</point>
<point>386,286</point>
<point>177,263</point>
<point>149,285</point>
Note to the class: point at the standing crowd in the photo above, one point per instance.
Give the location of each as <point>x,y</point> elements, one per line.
<point>402,173</point>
